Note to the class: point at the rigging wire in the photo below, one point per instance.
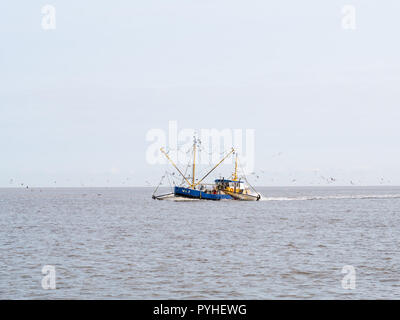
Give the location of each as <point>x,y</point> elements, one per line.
<point>169,181</point>
<point>162,178</point>
<point>245,178</point>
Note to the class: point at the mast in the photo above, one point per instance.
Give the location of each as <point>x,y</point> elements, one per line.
<point>235,173</point>
<point>194,160</point>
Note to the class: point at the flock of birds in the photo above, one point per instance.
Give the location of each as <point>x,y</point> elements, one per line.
<point>255,177</point>
<point>321,179</point>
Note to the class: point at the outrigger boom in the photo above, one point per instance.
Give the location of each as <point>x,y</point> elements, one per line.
<point>223,159</point>
<point>166,155</point>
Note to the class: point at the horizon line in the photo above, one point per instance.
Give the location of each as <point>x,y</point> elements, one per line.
<point>128,187</point>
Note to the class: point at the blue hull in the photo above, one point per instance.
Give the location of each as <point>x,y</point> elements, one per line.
<point>197,194</point>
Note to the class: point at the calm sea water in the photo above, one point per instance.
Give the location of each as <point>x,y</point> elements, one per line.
<point>120,244</point>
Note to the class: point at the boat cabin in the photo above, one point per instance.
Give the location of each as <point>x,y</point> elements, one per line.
<point>230,185</point>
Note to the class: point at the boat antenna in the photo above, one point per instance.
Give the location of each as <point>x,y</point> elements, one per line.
<point>166,155</point>
<point>233,150</point>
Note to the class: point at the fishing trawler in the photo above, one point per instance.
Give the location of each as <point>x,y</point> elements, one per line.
<point>222,189</point>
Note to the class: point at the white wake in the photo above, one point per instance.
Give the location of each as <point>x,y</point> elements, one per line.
<point>303,198</point>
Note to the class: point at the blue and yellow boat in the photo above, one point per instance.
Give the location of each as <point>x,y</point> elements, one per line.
<point>223,189</point>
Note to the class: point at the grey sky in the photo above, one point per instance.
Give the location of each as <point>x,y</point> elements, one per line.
<point>76,102</point>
